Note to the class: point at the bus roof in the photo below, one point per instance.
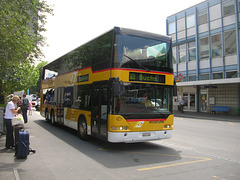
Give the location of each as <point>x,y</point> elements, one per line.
<point>132,32</point>
<point>123,31</point>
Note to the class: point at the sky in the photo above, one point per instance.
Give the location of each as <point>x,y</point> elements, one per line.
<point>76,22</point>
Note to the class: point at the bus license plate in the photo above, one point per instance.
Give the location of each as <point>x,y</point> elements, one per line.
<point>146,134</point>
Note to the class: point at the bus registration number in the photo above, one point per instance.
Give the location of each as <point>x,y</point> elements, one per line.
<point>146,134</point>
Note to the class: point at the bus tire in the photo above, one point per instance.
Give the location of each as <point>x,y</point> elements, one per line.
<point>82,128</point>
<point>52,118</point>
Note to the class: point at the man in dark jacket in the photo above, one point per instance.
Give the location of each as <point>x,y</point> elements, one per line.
<point>24,108</point>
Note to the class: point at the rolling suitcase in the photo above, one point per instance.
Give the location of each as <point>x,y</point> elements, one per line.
<point>23,144</point>
<point>17,128</point>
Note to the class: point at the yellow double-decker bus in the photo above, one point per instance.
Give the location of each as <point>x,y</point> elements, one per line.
<point>117,87</point>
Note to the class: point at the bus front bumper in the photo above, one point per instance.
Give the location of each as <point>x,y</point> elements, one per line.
<point>131,137</point>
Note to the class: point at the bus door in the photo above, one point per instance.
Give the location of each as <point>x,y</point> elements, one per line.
<point>60,109</point>
<point>99,106</point>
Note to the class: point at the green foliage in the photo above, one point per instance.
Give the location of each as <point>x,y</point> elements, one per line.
<point>21,25</point>
<point>36,88</point>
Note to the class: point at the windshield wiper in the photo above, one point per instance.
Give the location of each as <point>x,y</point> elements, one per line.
<point>137,63</point>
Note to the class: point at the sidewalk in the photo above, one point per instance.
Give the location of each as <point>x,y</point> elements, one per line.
<point>207,116</point>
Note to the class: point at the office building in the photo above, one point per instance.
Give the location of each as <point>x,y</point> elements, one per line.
<point>206,40</point>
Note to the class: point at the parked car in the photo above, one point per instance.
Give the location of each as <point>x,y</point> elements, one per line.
<point>34,103</point>
<point>38,104</point>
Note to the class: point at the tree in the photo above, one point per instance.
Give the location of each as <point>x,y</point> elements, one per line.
<point>21,25</point>
<point>25,76</point>
<point>36,89</point>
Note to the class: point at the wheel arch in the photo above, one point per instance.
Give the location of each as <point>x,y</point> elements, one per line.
<point>82,119</point>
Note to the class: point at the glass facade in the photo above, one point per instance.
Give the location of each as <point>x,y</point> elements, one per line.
<point>172,28</point>
<point>207,45</point>
<point>202,17</point>
<point>182,53</point>
<point>230,42</point>
<point>216,45</point>
<point>228,8</point>
<point>192,51</point>
<point>190,21</point>
<point>203,48</point>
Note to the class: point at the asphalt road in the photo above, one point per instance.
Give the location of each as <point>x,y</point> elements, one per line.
<point>199,149</point>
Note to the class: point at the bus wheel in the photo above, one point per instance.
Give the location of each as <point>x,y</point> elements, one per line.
<point>52,118</point>
<point>82,128</point>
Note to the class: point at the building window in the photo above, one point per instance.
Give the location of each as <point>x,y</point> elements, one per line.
<point>203,48</point>
<point>174,55</point>
<point>202,17</point>
<point>230,42</point>
<point>181,24</point>
<point>184,79</point>
<point>171,28</point>
<point>217,75</point>
<point>190,21</point>
<point>192,51</point>
<point>192,78</point>
<point>216,43</point>
<point>238,5</point>
<point>215,12</point>
<point>228,8</point>
<point>231,74</point>
<point>204,77</point>
<point>182,53</point>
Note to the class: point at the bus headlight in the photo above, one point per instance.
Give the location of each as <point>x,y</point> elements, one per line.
<point>123,128</point>
<point>167,126</point>
<point>119,128</point>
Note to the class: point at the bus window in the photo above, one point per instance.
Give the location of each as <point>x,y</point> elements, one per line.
<point>68,97</point>
<point>139,52</point>
<point>48,96</point>
<point>142,99</point>
<point>81,97</point>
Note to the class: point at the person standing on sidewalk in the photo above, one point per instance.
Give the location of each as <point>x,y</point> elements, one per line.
<point>10,112</point>
<point>25,105</point>
<point>182,103</point>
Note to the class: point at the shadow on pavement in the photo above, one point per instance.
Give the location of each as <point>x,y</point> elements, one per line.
<point>114,155</point>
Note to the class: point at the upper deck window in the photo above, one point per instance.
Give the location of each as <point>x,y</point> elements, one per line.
<point>142,53</point>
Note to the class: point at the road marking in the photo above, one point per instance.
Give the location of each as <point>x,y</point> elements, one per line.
<point>180,118</point>
<point>200,159</point>
<point>177,164</point>
<point>230,123</point>
<point>16,175</point>
<point>216,177</point>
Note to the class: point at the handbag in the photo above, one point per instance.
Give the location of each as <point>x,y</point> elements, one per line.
<point>18,119</point>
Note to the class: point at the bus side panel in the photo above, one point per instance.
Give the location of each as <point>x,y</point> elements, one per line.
<point>71,117</point>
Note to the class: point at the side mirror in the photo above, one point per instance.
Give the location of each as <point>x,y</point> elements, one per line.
<point>118,89</point>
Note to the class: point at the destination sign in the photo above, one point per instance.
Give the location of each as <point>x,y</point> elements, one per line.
<point>83,78</point>
<point>143,77</point>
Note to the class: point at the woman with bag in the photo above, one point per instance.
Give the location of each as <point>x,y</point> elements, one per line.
<point>10,112</point>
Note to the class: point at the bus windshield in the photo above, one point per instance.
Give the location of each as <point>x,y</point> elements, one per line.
<point>142,53</point>
<point>143,99</point>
